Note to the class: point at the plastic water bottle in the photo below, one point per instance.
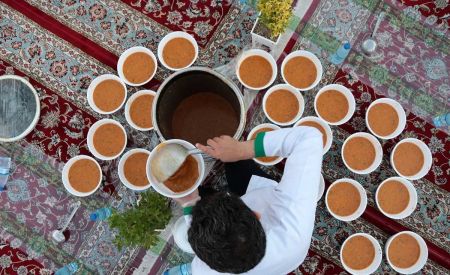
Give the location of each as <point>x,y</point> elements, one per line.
<point>442,120</point>
<point>184,269</point>
<point>5,165</point>
<point>101,214</point>
<point>68,269</point>
<point>341,54</point>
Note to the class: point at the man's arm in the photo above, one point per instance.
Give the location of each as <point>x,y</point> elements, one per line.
<point>228,149</point>
<point>302,146</point>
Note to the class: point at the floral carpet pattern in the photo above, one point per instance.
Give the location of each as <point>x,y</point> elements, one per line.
<point>60,46</point>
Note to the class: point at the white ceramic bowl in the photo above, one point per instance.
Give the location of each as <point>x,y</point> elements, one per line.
<point>311,57</point>
<point>160,187</point>
<point>428,159</point>
<point>65,176</point>
<point>90,138</point>
<point>412,199</point>
<point>122,177</point>
<point>93,85</point>
<point>253,131</point>
<point>129,52</point>
<point>264,55</point>
<point>423,257</point>
<point>128,106</point>
<point>401,117</point>
<point>376,261</point>
<point>170,36</point>
<point>378,153</point>
<point>362,206</point>
<point>180,235</point>
<point>322,123</point>
<point>321,188</point>
<point>347,93</point>
<point>298,95</point>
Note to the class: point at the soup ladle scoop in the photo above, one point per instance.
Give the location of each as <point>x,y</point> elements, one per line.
<point>58,235</point>
<point>168,159</point>
<point>370,45</point>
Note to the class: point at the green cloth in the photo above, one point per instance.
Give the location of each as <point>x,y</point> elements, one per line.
<point>259,145</point>
<point>187,210</point>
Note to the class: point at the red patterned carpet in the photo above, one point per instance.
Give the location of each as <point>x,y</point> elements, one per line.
<point>60,46</point>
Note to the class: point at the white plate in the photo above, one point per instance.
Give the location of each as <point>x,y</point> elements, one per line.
<point>180,235</point>
<point>321,188</point>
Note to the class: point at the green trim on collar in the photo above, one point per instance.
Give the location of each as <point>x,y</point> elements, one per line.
<point>259,145</point>
<point>187,210</point>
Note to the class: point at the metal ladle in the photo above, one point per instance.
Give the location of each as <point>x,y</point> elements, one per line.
<point>58,235</point>
<point>370,45</point>
<point>169,159</point>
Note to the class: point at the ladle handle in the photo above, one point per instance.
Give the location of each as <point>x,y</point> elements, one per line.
<point>195,152</point>
<point>377,24</point>
<point>77,205</point>
<point>199,152</point>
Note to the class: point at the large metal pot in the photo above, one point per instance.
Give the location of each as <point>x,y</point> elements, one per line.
<point>183,84</point>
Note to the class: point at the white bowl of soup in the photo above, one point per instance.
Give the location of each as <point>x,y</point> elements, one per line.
<point>256,69</point>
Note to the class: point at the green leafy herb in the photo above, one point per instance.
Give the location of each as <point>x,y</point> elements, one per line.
<point>136,226</point>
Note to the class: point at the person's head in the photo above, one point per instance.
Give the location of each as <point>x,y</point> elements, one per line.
<point>226,234</point>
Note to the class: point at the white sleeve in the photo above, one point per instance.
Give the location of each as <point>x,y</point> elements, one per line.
<point>302,146</point>
<point>290,220</point>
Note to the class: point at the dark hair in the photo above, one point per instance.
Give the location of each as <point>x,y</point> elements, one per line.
<point>226,234</point>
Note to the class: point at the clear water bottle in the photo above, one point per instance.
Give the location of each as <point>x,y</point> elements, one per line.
<point>5,165</point>
<point>341,54</point>
<point>68,269</point>
<point>442,120</point>
<point>184,269</point>
<point>101,214</point>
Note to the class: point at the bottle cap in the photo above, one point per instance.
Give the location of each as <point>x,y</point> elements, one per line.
<point>94,216</point>
<point>346,45</point>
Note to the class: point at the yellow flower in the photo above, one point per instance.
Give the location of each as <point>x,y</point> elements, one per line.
<point>275,15</point>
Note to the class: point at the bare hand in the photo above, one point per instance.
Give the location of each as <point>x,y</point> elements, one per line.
<point>228,149</point>
<point>190,199</point>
